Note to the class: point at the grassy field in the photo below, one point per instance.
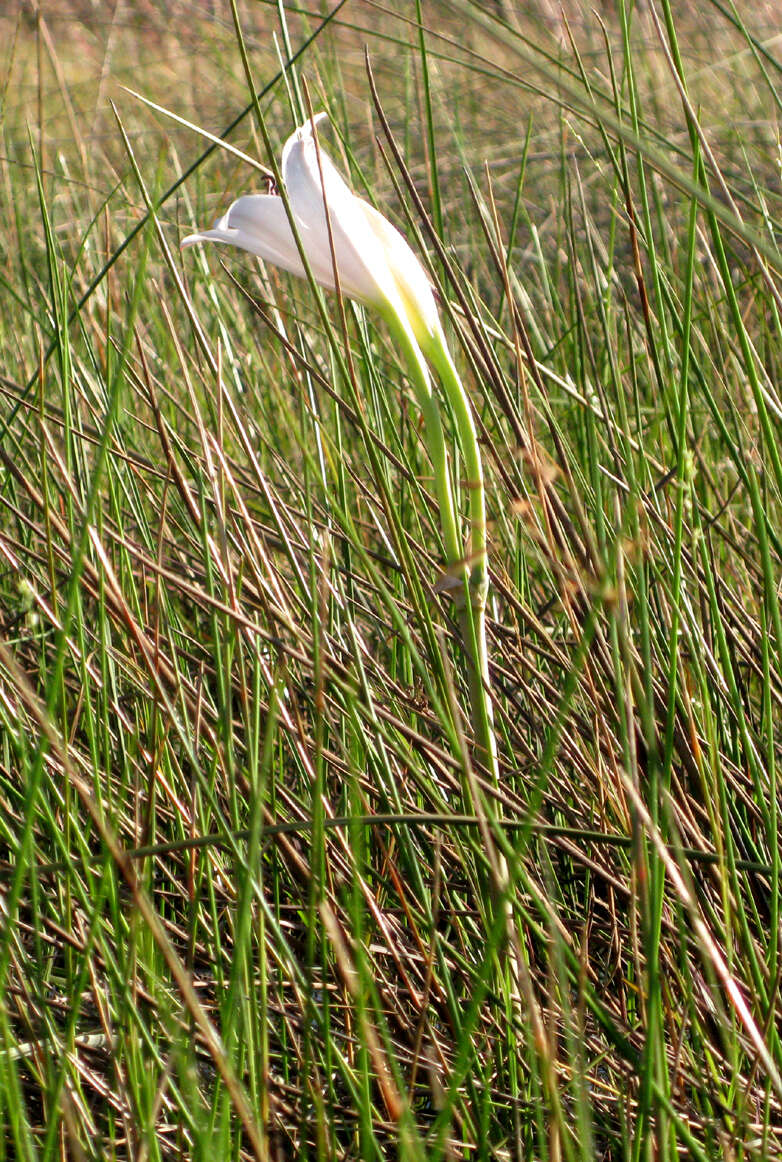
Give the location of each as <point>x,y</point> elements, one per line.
<point>258,896</point>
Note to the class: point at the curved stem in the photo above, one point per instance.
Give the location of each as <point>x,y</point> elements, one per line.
<point>472,602</point>
<point>440,356</point>
<point>435,439</point>
<point>473,618</point>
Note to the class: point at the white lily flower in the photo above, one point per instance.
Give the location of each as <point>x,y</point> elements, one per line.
<point>375,264</point>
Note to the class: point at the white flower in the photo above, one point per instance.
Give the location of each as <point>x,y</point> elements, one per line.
<point>374,261</point>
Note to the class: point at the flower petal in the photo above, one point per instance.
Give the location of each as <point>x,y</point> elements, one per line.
<point>363,272</point>
<point>258,223</point>
<point>412,281</point>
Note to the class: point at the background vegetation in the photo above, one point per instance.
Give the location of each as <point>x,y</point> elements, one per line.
<point>245,858</point>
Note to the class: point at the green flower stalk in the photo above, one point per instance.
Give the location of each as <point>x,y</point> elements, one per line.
<point>349,244</point>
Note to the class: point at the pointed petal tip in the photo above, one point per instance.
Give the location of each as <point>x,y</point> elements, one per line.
<point>215,235</point>
<point>301,136</point>
<point>306,127</point>
<point>304,132</point>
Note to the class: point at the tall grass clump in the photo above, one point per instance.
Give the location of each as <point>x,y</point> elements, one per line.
<point>260,895</point>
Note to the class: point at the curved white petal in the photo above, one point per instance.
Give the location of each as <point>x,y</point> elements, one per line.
<point>412,281</point>
<point>258,223</point>
<point>363,271</point>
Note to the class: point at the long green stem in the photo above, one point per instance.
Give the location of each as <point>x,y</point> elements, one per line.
<point>471,601</point>
<point>440,356</point>
<point>435,439</point>
<point>473,616</point>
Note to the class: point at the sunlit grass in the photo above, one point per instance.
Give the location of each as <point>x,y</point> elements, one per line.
<point>248,864</point>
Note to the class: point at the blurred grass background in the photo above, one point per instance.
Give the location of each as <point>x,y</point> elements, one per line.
<point>245,854</point>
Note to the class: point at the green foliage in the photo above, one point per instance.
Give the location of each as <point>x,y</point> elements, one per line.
<point>248,867</point>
